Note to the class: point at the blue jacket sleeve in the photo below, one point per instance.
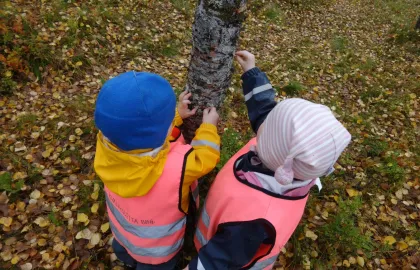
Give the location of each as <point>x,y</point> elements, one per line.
<point>232,247</point>
<point>259,96</point>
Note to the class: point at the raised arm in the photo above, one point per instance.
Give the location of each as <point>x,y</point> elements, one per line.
<point>258,92</point>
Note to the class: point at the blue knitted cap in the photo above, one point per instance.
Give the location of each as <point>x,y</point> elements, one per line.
<point>135,109</point>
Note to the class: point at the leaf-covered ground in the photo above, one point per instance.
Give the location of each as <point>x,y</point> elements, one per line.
<point>361,58</point>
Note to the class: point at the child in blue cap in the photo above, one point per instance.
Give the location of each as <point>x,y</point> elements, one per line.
<point>149,173</point>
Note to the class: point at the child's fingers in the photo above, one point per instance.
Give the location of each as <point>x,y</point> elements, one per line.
<point>186,102</point>
<point>245,55</point>
<point>206,111</point>
<point>241,53</point>
<point>188,95</point>
<point>182,95</point>
<point>193,111</point>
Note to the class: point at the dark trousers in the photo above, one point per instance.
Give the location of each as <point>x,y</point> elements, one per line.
<point>130,262</point>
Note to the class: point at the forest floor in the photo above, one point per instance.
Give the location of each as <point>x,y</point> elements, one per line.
<point>360,58</point>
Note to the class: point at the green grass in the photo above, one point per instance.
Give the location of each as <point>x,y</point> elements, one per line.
<point>309,3</point>
<point>341,235</point>
<point>40,55</point>
<point>370,94</point>
<point>55,219</point>
<point>230,144</point>
<point>375,147</point>
<point>84,193</point>
<point>339,44</point>
<point>299,247</point>
<point>26,121</point>
<point>7,86</point>
<point>74,154</point>
<point>183,6</point>
<point>368,65</point>
<point>79,103</point>
<point>170,50</point>
<point>394,172</point>
<point>273,12</point>
<point>294,88</point>
<point>7,184</point>
<point>406,34</point>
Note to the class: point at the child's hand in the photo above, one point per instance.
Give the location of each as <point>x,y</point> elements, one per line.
<point>183,109</point>
<point>210,116</point>
<point>246,60</point>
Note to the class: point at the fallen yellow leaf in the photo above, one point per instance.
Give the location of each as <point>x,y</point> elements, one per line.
<point>42,242</point>
<point>35,194</point>
<point>94,208</point>
<point>402,245</point>
<point>360,261</point>
<point>15,259</point>
<point>85,234</point>
<point>46,153</point>
<point>83,218</point>
<point>72,138</point>
<point>390,240</point>
<point>79,63</point>
<point>352,193</point>
<point>42,222</point>
<point>20,206</point>
<point>94,195</point>
<point>35,135</point>
<point>346,263</point>
<point>412,243</point>
<point>311,234</point>
<point>67,214</point>
<point>6,221</point>
<point>105,227</point>
<point>26,266</point>
<point>96,237</point>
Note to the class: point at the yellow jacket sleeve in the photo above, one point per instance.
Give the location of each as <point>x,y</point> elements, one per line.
<point>176,132</point>
<point>202,160</point>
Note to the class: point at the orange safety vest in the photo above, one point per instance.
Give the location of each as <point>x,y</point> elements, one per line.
<point>152,227</point>
<point>231,199</point>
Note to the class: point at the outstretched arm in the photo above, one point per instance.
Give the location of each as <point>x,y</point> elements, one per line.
<point>258,92</point>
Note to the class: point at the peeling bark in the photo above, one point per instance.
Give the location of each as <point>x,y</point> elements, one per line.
<point>215,33</point>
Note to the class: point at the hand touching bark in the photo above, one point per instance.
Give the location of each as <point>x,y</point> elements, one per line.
<point>183,103</point>
<point>210,116</point>
<point>245,59</point>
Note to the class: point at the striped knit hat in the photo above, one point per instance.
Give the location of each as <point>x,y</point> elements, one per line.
<point>301,139</point>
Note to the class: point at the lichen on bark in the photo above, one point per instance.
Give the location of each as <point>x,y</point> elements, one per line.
<point>215,34</point>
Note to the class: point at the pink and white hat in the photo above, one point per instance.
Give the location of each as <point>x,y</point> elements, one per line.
<point>300,139</point>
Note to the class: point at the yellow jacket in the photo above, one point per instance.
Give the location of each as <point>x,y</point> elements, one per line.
<point>134,173</point>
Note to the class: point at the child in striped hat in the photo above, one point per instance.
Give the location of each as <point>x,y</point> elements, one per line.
<point>258,198</point>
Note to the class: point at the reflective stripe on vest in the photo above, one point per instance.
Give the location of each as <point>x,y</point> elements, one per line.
<point>232,200</point>
<point>195,194</point>
<point>151,227</point>
<point>265,264</point>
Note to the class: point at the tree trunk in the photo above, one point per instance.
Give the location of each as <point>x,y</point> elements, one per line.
<point>215,33</point>
<point>418,23</point>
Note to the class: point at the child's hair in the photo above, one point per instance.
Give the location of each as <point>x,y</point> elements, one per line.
<point>302,140</point>
<point>135,110</point>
